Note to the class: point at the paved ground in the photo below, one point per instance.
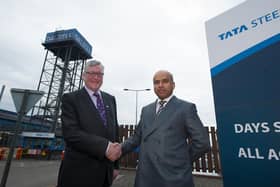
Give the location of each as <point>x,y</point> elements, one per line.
<point>126,179</point>
<point>39,173</point>
<point>31,173</point>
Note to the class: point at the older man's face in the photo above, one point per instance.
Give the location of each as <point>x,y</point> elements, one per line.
<point>93,77</point>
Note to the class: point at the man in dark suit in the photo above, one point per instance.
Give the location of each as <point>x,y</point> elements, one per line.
<point>170,135</point>
<point>89,126</point>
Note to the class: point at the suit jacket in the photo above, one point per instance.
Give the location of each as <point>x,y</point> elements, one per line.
<point>165,157</point>
<point>86,140</point>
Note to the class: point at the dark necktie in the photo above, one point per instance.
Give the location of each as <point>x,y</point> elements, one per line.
<point>100,107</point>
<point>161,106</point>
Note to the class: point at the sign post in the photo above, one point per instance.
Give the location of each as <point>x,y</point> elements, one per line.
<point>244,53</point>
<point>24,100</point>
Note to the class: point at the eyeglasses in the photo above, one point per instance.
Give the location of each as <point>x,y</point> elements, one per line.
<point>98,74</point>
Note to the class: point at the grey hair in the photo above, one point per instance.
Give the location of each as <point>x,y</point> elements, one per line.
<point>94,63</point>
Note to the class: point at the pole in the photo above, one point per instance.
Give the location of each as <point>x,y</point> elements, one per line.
<point>13,143</point>
<point>2,91</point>
<point>136,98</point>
<point>136,111</point>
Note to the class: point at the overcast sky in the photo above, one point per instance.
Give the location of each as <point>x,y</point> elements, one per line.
<point>132,38</point>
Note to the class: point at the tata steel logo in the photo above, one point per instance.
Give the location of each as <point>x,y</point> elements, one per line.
<point>233,32</point>
<point>269,18</point>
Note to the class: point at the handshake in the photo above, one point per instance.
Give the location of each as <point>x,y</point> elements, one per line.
<point>114,151</point>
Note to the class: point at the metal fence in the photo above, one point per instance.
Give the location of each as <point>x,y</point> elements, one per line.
<point>208,164</point>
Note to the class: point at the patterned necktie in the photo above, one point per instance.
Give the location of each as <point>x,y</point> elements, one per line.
<point>100,107</point>
<point>161,106</point>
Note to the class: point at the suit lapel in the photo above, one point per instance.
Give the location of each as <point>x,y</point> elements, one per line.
<point>107,105</point>
<point>108,108</point>
<point>90,105</point>
<point>153,111</point>
<point>163,116</point>
<point>110,113</point>
<point>87,101</point>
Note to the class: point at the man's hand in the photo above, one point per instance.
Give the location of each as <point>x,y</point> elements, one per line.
<point>114,151</point>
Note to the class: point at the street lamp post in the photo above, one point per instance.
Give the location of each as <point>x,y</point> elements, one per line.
<point>136,97</point>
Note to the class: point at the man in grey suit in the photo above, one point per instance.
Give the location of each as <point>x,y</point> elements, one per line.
<point>170,135</point>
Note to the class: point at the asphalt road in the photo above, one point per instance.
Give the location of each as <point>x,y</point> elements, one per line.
<point>42,173</point>
<point>31,173</point>
<point>126,179</point>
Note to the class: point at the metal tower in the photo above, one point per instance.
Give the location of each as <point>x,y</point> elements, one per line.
<point>67,51</point>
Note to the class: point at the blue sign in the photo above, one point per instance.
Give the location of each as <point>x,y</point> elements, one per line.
<point>69,35</point>
<point>245,69</point>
